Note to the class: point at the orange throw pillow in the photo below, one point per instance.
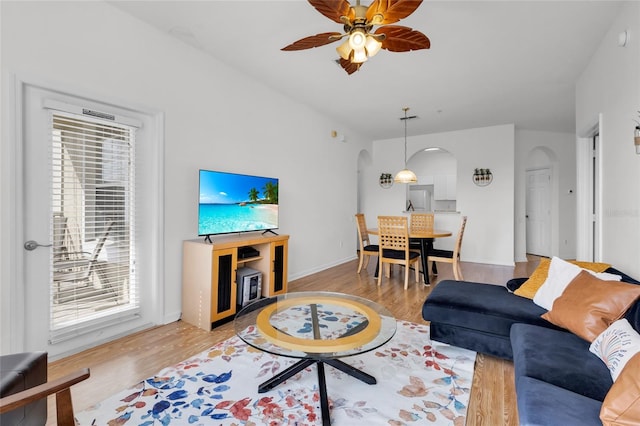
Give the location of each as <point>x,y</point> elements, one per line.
<point>621,406</point>
<point>529,288</point>
<point>589,305</point>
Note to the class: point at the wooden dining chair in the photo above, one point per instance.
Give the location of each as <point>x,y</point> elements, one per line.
<point>419,222</point>
<point>393,236</point>
<point>451,256</point>
<point>366,248</point>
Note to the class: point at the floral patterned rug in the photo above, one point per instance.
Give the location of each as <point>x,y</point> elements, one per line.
<point>419,382</point>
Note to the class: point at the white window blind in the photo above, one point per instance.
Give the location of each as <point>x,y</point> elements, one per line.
<point>92,224</point>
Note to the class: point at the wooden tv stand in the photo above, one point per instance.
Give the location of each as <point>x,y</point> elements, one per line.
<point>209,288</point>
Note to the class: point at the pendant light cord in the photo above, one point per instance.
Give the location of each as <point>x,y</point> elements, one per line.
<point>405,137</point>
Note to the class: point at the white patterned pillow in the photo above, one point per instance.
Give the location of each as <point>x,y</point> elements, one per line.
<point>616,346</point>
<point>561,273</point>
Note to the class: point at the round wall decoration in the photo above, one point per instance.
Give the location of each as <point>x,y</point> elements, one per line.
<point>386,180</point>
<point>482,177</point>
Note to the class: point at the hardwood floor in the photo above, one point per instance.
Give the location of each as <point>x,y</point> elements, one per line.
<point>124,362</point>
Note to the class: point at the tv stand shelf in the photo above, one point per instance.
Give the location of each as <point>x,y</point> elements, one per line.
<point>249,259</point>
<point>209,288</point>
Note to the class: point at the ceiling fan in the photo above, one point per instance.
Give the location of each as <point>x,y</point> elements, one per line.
<point>359,21</point>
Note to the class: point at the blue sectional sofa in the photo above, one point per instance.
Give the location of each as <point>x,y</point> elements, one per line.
<point>558,380</point>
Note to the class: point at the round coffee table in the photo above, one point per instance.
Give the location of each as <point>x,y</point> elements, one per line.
<point>318,328</point>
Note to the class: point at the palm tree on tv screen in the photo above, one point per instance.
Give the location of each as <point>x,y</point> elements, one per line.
<point>253,194</point>
<point>270,192</point>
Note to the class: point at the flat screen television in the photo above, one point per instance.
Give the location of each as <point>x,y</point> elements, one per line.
<point>232,203</point>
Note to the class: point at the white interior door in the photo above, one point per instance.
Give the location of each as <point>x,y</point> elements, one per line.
<point>595,200</point>
<point>538,212</point>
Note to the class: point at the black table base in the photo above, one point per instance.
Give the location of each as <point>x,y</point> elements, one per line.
<point>322,381</point>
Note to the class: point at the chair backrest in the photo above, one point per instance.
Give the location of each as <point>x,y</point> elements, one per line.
<point>101,241</point>
<point>363,234</point>
<point>456,249</point>
<point>421,222</point>
<point>393,233</point>
<point>60,250</point>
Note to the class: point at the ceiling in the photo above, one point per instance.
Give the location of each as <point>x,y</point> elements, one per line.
<point>490,62</point>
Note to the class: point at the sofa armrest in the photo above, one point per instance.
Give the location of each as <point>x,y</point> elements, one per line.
<point>515,283</point>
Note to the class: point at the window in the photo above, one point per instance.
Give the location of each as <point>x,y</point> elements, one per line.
<point>93,261</point>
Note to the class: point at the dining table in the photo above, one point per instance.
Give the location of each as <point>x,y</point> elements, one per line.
<point>426,238</point>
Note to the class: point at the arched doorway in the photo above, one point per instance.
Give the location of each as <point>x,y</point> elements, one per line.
<point>436,169</point>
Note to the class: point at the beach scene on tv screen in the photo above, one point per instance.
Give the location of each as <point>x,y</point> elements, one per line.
<point>236,203</point>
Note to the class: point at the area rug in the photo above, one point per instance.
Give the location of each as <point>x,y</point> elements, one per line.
<point>419,382</point>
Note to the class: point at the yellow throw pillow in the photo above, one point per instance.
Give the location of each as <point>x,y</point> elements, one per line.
<point>538,277</point>
<point>592,266</point>
<point>621,406</point>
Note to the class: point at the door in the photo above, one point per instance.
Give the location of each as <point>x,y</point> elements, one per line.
<point>95,236</point>
<point>36,272</point>
<point>223,280</point>
<point>595,200</point>
<point>538,212</point>
<point>278,278</point>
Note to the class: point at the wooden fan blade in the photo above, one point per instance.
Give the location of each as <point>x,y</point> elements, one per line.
<point>348,66</point>
<point>313,41</point>
<point>402,39</point>
<point>392,10</point>
<point>334,9</point>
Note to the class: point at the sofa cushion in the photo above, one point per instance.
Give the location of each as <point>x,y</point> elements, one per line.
<point>515,283</point>
<point>561,273</point>
<point>559,358</point>
<point>616,346</point>
<point>543,404</point>
<point>475,306</point>
<point>474,340</point>
<point>632,315</point>
<point>589,305</point>
<point>529,288</point>
<point>622,404</point>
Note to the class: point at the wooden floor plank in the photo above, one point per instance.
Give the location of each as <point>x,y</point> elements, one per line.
<point>124,362</point>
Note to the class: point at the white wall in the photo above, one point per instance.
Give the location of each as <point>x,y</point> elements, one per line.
<point>215,118</point>
<point>610,85</point>
<point>557,150</point>
<point>489,234</point>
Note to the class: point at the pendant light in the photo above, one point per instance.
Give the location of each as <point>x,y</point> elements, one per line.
<point>405,175</point>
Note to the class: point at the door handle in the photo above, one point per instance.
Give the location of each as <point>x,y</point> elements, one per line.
<point>32,245</point>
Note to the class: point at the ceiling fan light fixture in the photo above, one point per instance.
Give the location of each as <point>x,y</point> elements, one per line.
<point>359,56</point>
<point>358,22</point>
<point>357,39</point>
<point>373,46</point>
<point>344,50</point>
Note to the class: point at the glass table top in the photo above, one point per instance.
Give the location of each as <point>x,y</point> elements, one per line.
<point>315,325</point>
